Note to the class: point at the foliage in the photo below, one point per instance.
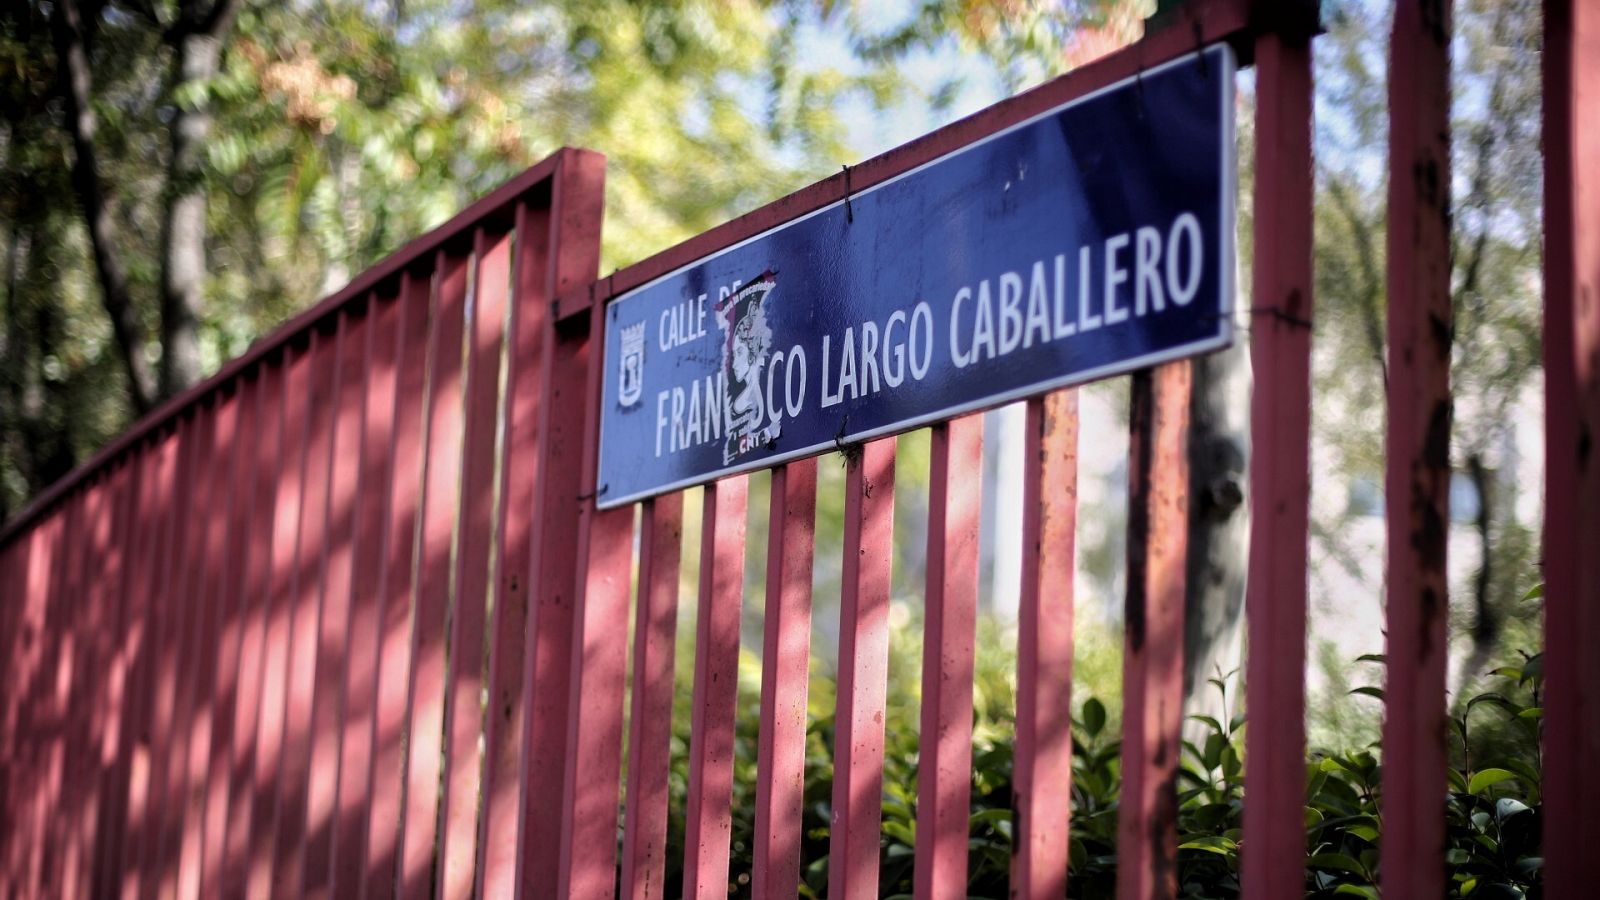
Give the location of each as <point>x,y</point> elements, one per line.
<point>341,130</point>
<point>1492,809</point>
<point>1495,293</point>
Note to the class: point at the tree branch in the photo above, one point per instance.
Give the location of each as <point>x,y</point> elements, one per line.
<point>1371,319</point>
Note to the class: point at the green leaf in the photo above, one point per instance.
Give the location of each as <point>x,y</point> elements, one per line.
<point>1356,890</point>
<point>989,817</point>
<point>1486,777</point>
<point>1338,862</point>
<point>1533,668</point>
<point>1210,843</point>
<point>1094,716</point>
<point>1506,807</point>
<point>1535,592</point>
<point>1365,832</point>
<point>1369,691</point>
<point>1529,775</point>
<point>1231,766</point>
<point>1373,657</point>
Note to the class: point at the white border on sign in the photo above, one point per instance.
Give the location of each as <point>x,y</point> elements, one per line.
<point>1226,279</point>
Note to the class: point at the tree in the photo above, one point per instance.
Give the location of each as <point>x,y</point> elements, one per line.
<point>1495,292</point>
<point>231,162</point>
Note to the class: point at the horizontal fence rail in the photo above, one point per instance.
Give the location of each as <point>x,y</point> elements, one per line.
<point>347,619</point>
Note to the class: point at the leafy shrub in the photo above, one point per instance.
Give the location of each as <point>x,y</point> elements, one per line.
<point>1492,808</point>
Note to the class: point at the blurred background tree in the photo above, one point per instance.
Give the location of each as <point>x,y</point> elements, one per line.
<point>178,176</point>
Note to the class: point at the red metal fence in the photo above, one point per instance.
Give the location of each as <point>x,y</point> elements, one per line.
<point>246,646</point>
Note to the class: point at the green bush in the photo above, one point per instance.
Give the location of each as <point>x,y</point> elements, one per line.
<point>1492,808</point>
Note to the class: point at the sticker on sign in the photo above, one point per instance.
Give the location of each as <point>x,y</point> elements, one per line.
<point>1090,240</point>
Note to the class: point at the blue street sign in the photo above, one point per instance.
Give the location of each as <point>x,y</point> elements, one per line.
<point>1090,240</point>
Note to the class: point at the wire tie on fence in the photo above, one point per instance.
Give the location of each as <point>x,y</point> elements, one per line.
<point>849,214</point>
<point>1282,316</point>
<point>838,436</point>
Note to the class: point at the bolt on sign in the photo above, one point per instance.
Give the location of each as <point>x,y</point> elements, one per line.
<point>1091,240</point>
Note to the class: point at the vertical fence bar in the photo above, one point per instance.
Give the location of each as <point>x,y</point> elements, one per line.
<point>1280,469</point>
<point>232,612</point>
<point>105,566</point>
<point>14,644</point>
<point>599,650</point>
<point>12,555</point>
<point>443,469</point>
<point>555,567</point>
<point>594,733</point>
<point>124,649</point>
<point>1043,751</point>
<point>1152,667</point>
<point>213,601</point>
<point>655,629</point>
<point>73,700</point>
<point>1417,487</point>
<point>111,771</point>
<point>576,204</point>
<point>708,821</point>
<point>170,750</point>
<point>311,555</point>
<point>36,746</point>
<point>785,673</point>
<point>255,598</point>
<point>863,671</point>
<point>384,806</point>
<point>1572,426</point>
<point>369,540</point>
<point>37,741</point>
<point>138,819</point>
<point>463,710</point>
<point>105,672</point>
<point>280,609</point>
<point>527,322</point>
<point>188,705</point>
<point>18,671</point>
<point>944,758</point>
<point>344,496</point>
<point>30,748</point>
<point>55,705</point>
<point>65,723</point>
<point>35,582</point>
<point>38,724</point>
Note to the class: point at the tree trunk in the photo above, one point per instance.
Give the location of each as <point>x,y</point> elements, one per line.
<point>196,41</point>
<point>72,56</point>
<point>1219,530</point>
<point>183,244</point>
